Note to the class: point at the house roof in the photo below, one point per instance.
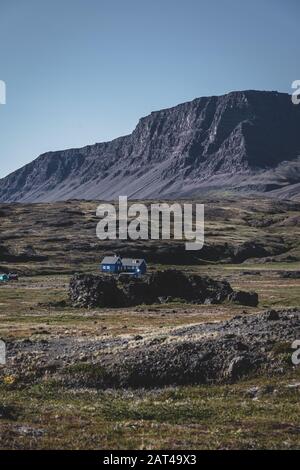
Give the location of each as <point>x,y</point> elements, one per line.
<point>132,261</point>
<point>110,259</point>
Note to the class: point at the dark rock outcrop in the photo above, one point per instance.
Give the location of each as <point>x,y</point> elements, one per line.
<point>271,315</point>
<point>244,141</point>
<point>244,298</point>
<point>249,249</point>
<point>238,367</point>
<point>162,286</point>
<point>290,274</point>
<point>5,253</point>
<point>259,249</point>
<point>24,256</point>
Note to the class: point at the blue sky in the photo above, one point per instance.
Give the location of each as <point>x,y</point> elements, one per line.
<point>84,71</point>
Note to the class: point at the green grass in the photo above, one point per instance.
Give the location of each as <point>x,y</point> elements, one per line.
<point>202,417</point>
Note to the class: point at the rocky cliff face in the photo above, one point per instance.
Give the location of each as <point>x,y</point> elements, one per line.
<point>159,287</point>
<point>247,141</point>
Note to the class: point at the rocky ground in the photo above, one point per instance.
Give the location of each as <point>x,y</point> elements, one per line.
<point>217,352</point>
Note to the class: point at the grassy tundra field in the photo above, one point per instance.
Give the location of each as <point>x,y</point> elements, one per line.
<point>252,243</point>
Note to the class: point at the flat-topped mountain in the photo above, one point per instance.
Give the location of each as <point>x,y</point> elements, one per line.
<point>245,141</point>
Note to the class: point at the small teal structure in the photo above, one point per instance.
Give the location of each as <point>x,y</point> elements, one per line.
<point>4,278</point>
<point>117,265</point>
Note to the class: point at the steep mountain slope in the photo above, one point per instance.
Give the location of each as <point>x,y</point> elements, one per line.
<point>245,141</point>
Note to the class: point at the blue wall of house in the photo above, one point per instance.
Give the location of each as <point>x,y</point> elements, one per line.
<point>135,269</point>
<point>110,268</point>
<point>119,267</point>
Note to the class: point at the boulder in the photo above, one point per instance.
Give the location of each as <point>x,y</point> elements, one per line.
<point>238,367</point>
<point>272,315</point>
<point>290,275</point>
<point>250,299</point>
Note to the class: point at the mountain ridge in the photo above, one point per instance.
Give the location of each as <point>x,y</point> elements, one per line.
<point>245,141</point>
